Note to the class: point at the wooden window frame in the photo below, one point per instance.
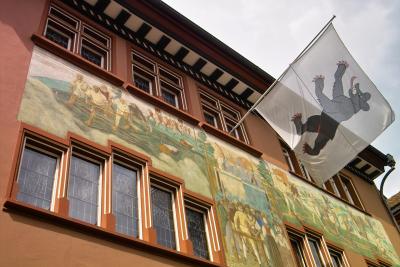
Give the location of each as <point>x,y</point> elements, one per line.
<point>384,264</point>
<point>303,235</point>
<point>299,238</point>
<point>164,185</point>
<point>205,209</point>
<point>140,64</point>
<point>131,163</point>
<point>80,36</point>
<point>223,115</point>
<point>322,249</point>
<point>305,172</point>
<point>39,145</point>
<point>338,252</point>
<point>96,158</point>
<point>147,176</point>
<point>342,187</point>
<point>350,191</point>
<point>288,158</point>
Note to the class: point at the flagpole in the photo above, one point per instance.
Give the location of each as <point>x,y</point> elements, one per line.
<point>283,73</point>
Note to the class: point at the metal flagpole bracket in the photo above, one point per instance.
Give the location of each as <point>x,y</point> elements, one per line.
<point>283,73</point>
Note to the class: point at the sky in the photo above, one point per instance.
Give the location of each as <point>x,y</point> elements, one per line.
<point>272,33</point>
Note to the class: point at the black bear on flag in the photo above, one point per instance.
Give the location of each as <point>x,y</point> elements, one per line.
<point>334,111</point>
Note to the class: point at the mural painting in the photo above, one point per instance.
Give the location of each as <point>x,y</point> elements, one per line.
<point>253,233</point>
<point>270,196</point>
<point>302,204</point>
<point>69,99</point>
<point>253,197</point>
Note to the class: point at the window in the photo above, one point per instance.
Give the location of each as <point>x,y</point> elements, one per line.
<point>383,264</point>
<point>83,188</point>
<point>336,257</point>
<point>342,187</point>
<point>37,175</point>
<point>304,172</point>
<point>114,191</point>
<point>154,79</point>
<point>310,249</point>
<point>77,37</point>
<point>169,96</point>
<point>221,116</point>
<point>350,191</point>
<point>331,186</point>
<point>162,204</point>
<point>125,191</point>
<point>297,243</point>
<point>196,221</point>
<point>315,247</point>
<point>288,159</point>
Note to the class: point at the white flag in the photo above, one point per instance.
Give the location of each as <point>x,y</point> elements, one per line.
<point>326,108</point>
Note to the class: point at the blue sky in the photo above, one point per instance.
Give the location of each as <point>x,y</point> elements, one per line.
<point>272,33</point>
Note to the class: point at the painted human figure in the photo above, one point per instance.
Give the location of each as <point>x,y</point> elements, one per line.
<point>78,90</point>
<point>98,103</point>
<point>334,111</point>
<point>121,111</point>
<point>245,224</point>
<point>269,244</point>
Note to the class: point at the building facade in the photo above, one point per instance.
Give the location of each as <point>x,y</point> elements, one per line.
<point>116,152</point>
<point>394,205</point>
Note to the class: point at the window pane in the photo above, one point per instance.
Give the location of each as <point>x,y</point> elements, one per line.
<point>83,190</point>
<point>315,252</point>
<point>36,178</point>
<point>143,62</point>
<point>170,77</point>
<point>229,127</point>
<point>96,36</point>
<point>163,217</point>
<point>197,232</point>
<point>142,83</point>
<point>91,53</point>
<point>124,200</point>
<point>210,119</point>
<point>63,17</point>
<point>169,97</point>
<point>336,259</point>
<point>57,36</point>
<point>288,159</point>
<point>298,252</point>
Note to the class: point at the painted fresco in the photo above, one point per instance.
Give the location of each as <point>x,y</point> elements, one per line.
<point>59,98</point>
<point>253,197</point>
<point>253,232</point>
<point>302,204</point>
<point>271,196</point>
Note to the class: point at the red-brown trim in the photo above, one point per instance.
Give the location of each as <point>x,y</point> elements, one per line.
<point>350,178</point>
<point>382,261</point>
<point>137,156</point>
<point>197,197</point>
<point>14,205</point>
<point>208,204</point>
<point>295,228</point>
<point>84,20</point>
<point>333,245</point>
<point>370,261</point>
<point>77,60</point>
<point>166,176</point>
<point>312,230</point>
<point>107,226</point>
<point>161,104</point>
<point>230,139</point>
